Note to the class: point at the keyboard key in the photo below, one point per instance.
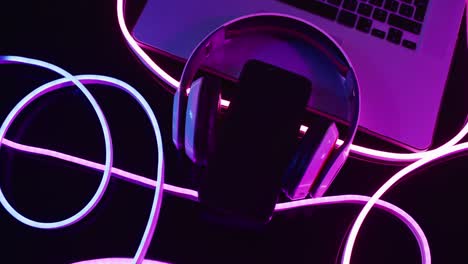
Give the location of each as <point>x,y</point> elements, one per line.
<point>421,3</point>
<point>346,18</point>
<point>376,2</point>
<point>314,7</point>
<point>335,2</point>
<point>409,44</point>
<point>378,33</point>
<point>380,15</point>
<point>420,14</point>
<point>405,24</point>
<point>350,5</point>
<point>394,35</point>
<point>391,5</point>
<point>364,24</point>
<point>365,9</point>
<point>406,10</point>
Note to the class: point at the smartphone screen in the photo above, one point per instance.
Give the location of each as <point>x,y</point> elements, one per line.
<point>256,141</point>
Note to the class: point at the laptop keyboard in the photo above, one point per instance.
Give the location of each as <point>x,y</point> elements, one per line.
<point>397,21</point>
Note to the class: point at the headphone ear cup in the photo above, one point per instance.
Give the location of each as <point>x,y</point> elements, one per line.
<point>314,149</point>
<point>178,112</point>
<point>200,120</point>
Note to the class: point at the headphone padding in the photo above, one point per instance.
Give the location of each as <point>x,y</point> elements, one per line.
<point>200,118</point>
<point>311,155</point>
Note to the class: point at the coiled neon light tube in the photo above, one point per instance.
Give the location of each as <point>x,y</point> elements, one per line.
<point>54,85</point>
<point>390,183</point>
<point>105,130</point>
<point>356,149</point>
<point>117,261</point>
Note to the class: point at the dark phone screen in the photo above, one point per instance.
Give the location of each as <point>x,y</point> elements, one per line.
<point>255,143</point>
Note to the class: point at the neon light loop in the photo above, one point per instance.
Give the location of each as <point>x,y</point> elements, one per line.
<point>54,85</point>
<point>105,129</point>
<point>157,201</point>
<point>384,188</point>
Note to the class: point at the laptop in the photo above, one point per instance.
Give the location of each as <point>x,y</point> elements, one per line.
<point>401,51</point>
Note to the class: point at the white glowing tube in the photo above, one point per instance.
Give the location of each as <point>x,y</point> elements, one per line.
<point>117,261</point>
<point>139,52</point>
<point>359,199</point>
<point>57,84</point>
<point>105,129</point>
<point>382,190</point>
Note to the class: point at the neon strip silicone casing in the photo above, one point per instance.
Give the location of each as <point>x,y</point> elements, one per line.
<point>388,184</point>
<point>54,85</point>
<point>24,103</point>
<point>117,261</point>
<point>355,149</point>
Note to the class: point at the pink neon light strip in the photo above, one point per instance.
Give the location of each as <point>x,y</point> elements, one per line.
<point>122,174</point>
<point>103,80</point>
<point>389,184</point>
<point>117,261</point>
<point>359,199</point>
<point>193,195</point>
<point>356,149</point>
<point>22,104</point>
<point>139,52</point>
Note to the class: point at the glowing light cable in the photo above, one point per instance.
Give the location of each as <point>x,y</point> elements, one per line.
<point>382,190</point>
<point>139,51</point>
<point>24,103</point>
<point>117,261</point>
<point>54,85</point>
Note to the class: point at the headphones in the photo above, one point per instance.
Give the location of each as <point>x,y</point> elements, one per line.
<point>195,113</point>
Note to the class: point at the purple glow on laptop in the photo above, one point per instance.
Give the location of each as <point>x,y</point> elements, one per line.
<point>367,152</point>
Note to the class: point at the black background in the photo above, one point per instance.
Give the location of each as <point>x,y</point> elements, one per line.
<point>83,37</point>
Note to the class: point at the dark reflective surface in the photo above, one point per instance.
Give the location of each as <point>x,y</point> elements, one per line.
<point>83,37</point>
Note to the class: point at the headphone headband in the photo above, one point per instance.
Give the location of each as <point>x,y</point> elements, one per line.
<point>282,26</point>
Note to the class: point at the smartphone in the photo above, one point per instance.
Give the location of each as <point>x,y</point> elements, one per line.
<point>256,140</point>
